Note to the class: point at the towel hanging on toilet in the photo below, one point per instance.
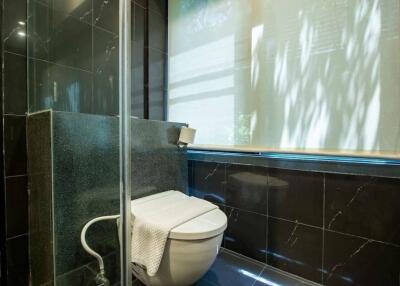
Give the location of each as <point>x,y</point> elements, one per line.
<point>153,218</point>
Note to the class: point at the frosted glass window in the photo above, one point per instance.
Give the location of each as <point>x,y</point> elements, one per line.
<point>287,75</point>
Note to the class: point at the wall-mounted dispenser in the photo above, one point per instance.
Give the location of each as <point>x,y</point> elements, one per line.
<point>186,136</point>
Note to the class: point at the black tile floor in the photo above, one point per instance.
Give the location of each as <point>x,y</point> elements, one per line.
<point>234,269</point>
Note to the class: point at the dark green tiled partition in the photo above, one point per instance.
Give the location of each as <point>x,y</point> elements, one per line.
<point>157,163</point>
<point>40,198</point>
<point>86,185</point>
<point>74,177</point>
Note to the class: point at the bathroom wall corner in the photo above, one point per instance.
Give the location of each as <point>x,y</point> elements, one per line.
<point>39,146</point>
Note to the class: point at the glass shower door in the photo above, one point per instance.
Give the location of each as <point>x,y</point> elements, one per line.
<point>78,140</point>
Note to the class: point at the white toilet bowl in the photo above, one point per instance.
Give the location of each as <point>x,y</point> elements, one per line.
<point>190,251</point>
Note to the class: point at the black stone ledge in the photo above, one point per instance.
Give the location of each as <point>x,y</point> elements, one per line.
<point>367,166</point>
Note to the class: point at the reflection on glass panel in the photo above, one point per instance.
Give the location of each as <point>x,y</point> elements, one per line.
<point>73,149</point>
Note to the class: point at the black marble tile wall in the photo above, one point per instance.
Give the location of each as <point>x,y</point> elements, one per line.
<point>105,16</point>
<point>352,260</point>
<point>363,206</point>
<point>40,95</point>
<point>79,45</point>
<point>159,6</point>
<point>71,41</point>
<point>14,145</point>
<point>333,229</point>
<point>156,51</point>
<point>362,230</point>
<point>81,9</point>
<point>3,258</point>
<point>156,84</point>
<point>17,202</point>
<point>40,29</point>
<point>72,60</point>
<point>207,181</point>
<point>15,88</point>
<point>14,191</point>
<point>17,252</point>
<point>71,89</point>
<point>246,233</point>
<point>138,60</point>
<point>105,77</point>
<point>14,26</point>
<point>157,28</point>
<point>61,51</point>
<point>296,196</point>
<point>230,269</point>
<point>295,248</point>
<point>246,188</point>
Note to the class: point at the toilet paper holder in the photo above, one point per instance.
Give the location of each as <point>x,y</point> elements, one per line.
<point>186,136</point>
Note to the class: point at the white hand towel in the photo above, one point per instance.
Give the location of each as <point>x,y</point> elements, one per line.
<point>153,218</point>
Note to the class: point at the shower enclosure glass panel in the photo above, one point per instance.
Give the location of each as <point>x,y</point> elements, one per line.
<point>78,139</point>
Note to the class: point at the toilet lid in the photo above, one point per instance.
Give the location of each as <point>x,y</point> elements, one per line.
<point>204,226</point>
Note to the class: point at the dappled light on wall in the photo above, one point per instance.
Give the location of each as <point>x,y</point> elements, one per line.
<point>201,73</point>
<point>287,75</point>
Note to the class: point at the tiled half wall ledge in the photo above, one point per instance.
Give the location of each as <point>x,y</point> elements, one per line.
<point>313,219</point>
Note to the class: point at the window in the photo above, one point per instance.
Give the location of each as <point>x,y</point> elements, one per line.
<point>318,76</point>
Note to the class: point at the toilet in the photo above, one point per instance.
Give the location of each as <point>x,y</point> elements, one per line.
<point>190,251</point>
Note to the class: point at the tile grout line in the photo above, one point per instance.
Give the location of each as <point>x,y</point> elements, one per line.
<point>150,9</point>
<point>17,236</point>
<point>240,209</point>
<point>16,176</point>
<point>259,275</point>
<point>295,221</point>
<point>334,231</point>
<point>15,54</point>
<point>103,29</point>
<point>316,227</point>
<point>154,49</point>
<point>243,257</point>
<point>364,238</point>
<point>292,275</point>
<point>59,65</point>
<point>265,266</point>
<point>79,18</point>
<point>14,115</point>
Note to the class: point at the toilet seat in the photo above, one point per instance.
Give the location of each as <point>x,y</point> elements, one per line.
<point>204,226</point>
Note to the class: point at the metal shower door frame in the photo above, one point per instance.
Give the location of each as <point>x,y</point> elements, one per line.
<point>125,137</point>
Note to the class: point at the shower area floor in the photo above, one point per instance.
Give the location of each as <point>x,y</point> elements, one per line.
<point>232,269</point>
